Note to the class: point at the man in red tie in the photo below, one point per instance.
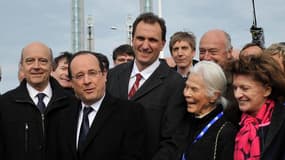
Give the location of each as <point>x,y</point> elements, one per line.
<point>160,89</point>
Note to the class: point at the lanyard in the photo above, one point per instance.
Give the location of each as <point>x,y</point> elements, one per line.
<point>204,130</point>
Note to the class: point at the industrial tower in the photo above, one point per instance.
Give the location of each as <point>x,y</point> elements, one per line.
<point>77,25</point>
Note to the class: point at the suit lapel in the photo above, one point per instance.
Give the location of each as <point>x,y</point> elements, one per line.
<point>105,111</point>
<point>154,81</point>
<point>123,80</point>
<point>278,117</point>
<point>74,123</point>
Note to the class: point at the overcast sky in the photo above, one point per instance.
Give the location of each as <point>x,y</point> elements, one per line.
<point>24,21</point>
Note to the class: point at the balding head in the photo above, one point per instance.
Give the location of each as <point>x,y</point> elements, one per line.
<point>35,46</point>
<point>36,64</point>
<point>215,45</point>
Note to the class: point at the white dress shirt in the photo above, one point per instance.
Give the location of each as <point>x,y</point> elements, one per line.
<point>146,73</point>
<point>91,116</point>
<point>33,94</point>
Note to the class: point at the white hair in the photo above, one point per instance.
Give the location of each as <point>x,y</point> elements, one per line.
<point>213,76</point>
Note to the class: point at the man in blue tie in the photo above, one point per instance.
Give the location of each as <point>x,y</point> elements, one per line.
<point>27,113</point>
<point>98,126</point>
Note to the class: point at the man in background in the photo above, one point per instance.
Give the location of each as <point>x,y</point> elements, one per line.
<point>122,54</point>
<point>182,47</point>
<point>60,70</point>
<point>215,45</point>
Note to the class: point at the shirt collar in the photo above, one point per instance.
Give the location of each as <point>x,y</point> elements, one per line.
<point>95,105</point>
<point>147,71</point>
<point>33,92</point>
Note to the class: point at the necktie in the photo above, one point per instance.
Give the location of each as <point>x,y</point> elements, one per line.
<point>84,125</point>
<point>41,105</point>
<point>135,86</point>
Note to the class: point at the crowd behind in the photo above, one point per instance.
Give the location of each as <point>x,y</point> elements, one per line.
<point>224,106</point>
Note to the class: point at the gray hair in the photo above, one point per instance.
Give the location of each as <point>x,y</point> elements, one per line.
<point>213,76</point>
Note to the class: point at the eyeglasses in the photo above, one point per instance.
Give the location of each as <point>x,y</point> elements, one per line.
<point>91,74</point>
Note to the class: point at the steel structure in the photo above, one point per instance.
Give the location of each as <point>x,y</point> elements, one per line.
<point>77,25</point>
<point>146,6</point>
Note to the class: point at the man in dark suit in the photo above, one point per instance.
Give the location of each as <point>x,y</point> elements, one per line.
<point>28,113</point>
<point>152,83</point>
<point>113,128</point>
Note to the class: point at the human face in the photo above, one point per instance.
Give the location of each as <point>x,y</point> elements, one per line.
<point>147,44</point>
<point>250,93</point>
<point>88,81</point>
<point>182,54</point>
<point>36,65</point>
<point>196,96</point>
<point>213,48</point>
<point>123,58</point>
<point>61,73</point>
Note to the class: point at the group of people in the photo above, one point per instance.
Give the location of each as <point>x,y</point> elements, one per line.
<point>73,107</point>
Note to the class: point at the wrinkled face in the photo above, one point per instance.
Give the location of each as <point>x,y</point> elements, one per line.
<point>88,81</point>
<point>61,73</point>
<point>36,65</point>
<point>147,44</point>
<point>182,54</point>
<point>195,93</point>
<point>249,93</point>
<point>123,58</point>
<point>213,48</point>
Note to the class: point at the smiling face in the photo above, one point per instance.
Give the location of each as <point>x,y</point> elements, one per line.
<point>196,96</point>
<point>147,44</point>
<point>36,65</point>
<point>61,73</point>
<point>249,93</point>
<point>88,81</point>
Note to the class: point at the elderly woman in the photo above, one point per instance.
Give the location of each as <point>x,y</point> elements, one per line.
<point>259,85</point>
<point>207,134</point>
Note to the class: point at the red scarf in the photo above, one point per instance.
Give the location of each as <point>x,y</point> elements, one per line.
<point>247,141</point>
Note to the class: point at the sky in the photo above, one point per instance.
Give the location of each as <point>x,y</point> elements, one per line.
<point>49,21</point>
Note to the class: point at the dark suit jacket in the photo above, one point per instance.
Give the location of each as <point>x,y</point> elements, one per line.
<point>117,132</point>
<point>162,97</point>
<point>273,143</point>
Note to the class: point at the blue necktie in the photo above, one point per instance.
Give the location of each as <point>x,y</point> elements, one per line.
<point>41,105</point>
<point>84,126</point>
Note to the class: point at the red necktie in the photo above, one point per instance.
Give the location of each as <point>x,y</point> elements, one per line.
<point>135,86</point>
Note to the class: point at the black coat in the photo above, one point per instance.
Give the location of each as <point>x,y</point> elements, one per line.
<point>162,97</point>
<point>272,138</point>
<point>117,132</point>
<point>24,132</point>
<point>222,132</point>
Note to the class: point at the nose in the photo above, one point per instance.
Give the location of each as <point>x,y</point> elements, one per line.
<point>145,44</point>
<point>237,93</point>
<point>187,93</point>
<point>86,79</point>
<point>207,56</point>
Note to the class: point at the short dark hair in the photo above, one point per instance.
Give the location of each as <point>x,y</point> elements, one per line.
<point>150,18</point>
<point>101,65</point>
<point>104,60</point>
<point>123,49</point>
<point>61,56</point>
